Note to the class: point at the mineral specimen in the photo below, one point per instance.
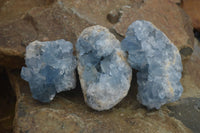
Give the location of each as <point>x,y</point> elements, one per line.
<point>158,62</point>
<point>104,73</point>
<point>50,68</point>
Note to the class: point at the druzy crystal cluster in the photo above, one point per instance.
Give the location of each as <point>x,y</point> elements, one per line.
<point>158,62</point>
<point>50,68</point>
<point>104,73</point>
<point>104,67</point>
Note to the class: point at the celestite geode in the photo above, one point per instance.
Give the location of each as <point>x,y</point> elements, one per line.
<point>158,62</point>
<point>104,73</point>
<point>49,68</point>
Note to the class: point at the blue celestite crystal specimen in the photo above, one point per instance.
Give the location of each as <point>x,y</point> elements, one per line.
<point>50,68</point>
<point>158,62</point>
<point>104,73</point>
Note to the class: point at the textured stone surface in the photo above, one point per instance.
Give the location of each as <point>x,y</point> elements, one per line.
<point>15,32</point>
<point>49,22</point>
<point>178,2</point>
<point>113,16</point>
<point>105,75</point>
<point>191,7</point>
<point>38,22</point>
<point>23,21</point>
<point>165,15</point>
<point>128,116</point>
<point>50,68</point>
<point>188,107</point>
<point>68,113</point>
<point>187,110</point>
<point>158,62</point>
<point>191,74</point>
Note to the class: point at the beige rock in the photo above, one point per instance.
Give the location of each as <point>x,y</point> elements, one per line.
<point>23,21</point>
<point>177,1</point>
<point>191,74</point>
<point>69,113</point>
<point>39,23</point>
<point>192,8</point>
<point>187,108</point>
<point>14,32</point>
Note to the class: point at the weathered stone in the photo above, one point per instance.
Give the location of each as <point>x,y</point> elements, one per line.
<point>50,68</point>
<point>14,31</point>
<point>47,20</point>
<point>17,30</point>
<point>191,73</point>
<point>187,110</point>
<point>128,116</point>
<point>191,7</point>
<point>105,75</point>
<point>167,16</point>
<point>23,21</point>
<point>39,23</point>
<point>178,2</point>
<point>158,62</point>
<point>113,16</point>
<point>68,113</point>
<point>95,11</point>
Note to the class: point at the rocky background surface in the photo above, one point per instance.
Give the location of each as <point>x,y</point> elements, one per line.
<point>23,21</point>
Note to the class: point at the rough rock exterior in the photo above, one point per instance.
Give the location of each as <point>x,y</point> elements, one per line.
<point>47,20</point>
<point>50,68</point>
<point>191,7</point>
<point>68,113</point>
<point>158,62</point>
<point>105,75</point>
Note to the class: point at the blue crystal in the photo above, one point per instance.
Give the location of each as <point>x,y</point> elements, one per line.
<point>158,61</point>
<point>104,73</point>
<point>50,68</point>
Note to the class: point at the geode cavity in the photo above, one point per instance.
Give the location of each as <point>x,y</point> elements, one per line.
<point>50,68</point>
<point>105,75</point>
<point>158,62</point>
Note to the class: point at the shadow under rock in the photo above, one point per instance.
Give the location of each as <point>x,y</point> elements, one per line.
<point>7,103</point>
